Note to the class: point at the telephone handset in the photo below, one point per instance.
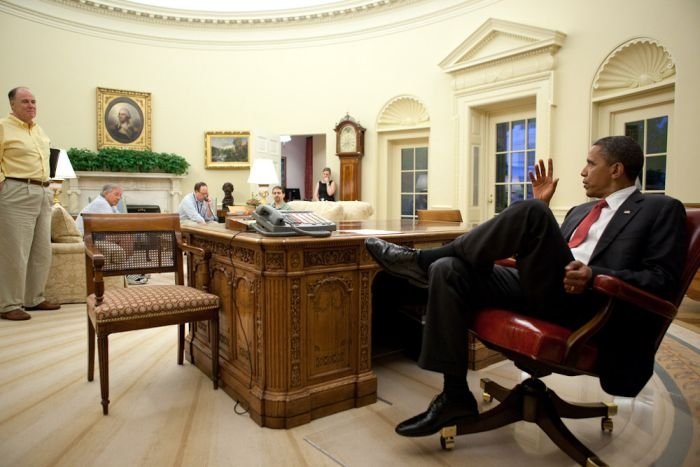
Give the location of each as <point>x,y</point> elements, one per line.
<point>269,214</point>
<point>269,221</point>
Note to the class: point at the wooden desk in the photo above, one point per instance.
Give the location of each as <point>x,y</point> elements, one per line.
<point>295,330</point>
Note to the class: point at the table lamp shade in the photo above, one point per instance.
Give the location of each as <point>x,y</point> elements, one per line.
<point>263,172</point>
<point>64,169</point>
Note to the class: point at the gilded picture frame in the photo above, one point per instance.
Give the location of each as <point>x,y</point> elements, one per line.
<point>227,149</point>
<point>123,119</point>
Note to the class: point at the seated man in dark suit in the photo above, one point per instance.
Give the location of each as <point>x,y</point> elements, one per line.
<point>638,238</point>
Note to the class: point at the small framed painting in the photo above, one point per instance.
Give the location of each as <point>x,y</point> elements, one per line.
<point>227,149</point>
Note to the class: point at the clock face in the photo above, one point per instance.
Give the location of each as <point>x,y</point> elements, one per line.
<point>348,139</point>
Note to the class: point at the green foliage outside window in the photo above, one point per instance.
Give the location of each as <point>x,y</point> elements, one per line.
<point>127,160</point>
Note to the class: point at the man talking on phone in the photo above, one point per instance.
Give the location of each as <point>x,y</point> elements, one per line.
<point>196,207</point>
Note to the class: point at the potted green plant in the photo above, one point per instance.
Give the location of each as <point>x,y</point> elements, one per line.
<point>127,160</point>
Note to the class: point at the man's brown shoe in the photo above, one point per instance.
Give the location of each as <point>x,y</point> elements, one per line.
<point>43,306</point>
<point>15,315</point>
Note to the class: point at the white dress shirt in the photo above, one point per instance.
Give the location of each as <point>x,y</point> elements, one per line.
<point>98,205</point>
<point>191,210</point>
<point>584,251</point>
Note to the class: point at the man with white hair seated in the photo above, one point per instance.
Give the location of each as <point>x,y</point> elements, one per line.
<point>106,203</point>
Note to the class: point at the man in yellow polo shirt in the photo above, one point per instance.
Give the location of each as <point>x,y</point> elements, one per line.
<point>25,210</point>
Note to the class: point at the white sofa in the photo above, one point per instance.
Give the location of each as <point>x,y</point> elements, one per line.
<point>66,282</point>
<point>336,210</point>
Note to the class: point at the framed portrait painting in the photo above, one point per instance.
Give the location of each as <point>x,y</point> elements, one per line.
<point>227,149</point>
<point>123,119</point>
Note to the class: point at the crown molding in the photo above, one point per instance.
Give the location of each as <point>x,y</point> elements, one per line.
<point>342,21</point>
<point>136,11</point>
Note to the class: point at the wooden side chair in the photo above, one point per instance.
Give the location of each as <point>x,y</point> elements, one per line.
<point>441,215</point>
<point>540,348</point>
<point>121,244</point>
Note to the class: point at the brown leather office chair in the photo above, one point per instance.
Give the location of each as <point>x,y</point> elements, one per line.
<point>115,245</point>
<point>442,215</point>
<point>541,348</point>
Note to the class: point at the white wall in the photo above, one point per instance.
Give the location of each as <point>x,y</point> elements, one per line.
<point>306,87</point>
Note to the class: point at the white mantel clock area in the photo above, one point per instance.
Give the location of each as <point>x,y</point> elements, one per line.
<point>162,189</point>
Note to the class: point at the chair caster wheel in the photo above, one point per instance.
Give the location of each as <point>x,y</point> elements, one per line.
<point>447,443</point>
<point>487,397</point>
<point>606,424</point>
<point>447,437</point>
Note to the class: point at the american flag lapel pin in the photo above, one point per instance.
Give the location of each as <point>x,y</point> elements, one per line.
<point>626,212</point>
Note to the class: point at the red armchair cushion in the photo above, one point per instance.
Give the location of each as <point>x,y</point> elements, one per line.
<point>530,337</point>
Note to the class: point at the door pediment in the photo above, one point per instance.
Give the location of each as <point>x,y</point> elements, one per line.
<point>498,40</point>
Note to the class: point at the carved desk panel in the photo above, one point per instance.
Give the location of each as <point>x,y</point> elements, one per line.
<point>295,329</point>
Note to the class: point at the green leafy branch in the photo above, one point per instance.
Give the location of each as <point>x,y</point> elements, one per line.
<point>127,160</point>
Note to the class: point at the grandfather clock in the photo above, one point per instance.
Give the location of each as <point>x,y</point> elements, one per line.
<point>350,147</point>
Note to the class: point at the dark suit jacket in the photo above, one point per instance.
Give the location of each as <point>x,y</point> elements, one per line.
<point>645,245</point>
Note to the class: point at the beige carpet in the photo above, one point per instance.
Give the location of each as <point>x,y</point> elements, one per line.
<point>162,414</point>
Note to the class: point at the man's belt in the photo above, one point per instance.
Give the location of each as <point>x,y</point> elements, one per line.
<point>28,180</point>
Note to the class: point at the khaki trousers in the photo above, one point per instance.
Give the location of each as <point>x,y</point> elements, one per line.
<point>25,244</point>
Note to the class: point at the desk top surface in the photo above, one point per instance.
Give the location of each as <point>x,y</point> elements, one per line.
<point>391,230</point>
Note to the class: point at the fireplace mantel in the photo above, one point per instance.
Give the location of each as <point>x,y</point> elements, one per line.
<point>162,189</point>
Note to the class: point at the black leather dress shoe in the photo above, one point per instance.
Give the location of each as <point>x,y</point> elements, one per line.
<point>399,261</point>
<point>441,412</point>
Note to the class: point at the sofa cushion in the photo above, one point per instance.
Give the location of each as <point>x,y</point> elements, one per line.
<point>137,303</point>
<point>357,210</point>
<point>63,227</point>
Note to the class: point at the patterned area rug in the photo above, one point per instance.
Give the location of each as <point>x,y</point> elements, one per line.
<point>659,427</point>
<point>678,365</point>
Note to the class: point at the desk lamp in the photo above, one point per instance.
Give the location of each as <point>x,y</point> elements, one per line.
<point>263,174</point>
<point>64,171</point>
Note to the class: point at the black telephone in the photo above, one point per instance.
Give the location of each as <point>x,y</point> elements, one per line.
<point>269,221</point>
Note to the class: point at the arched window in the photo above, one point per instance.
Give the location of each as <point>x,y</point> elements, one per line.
<point>633,94</point>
